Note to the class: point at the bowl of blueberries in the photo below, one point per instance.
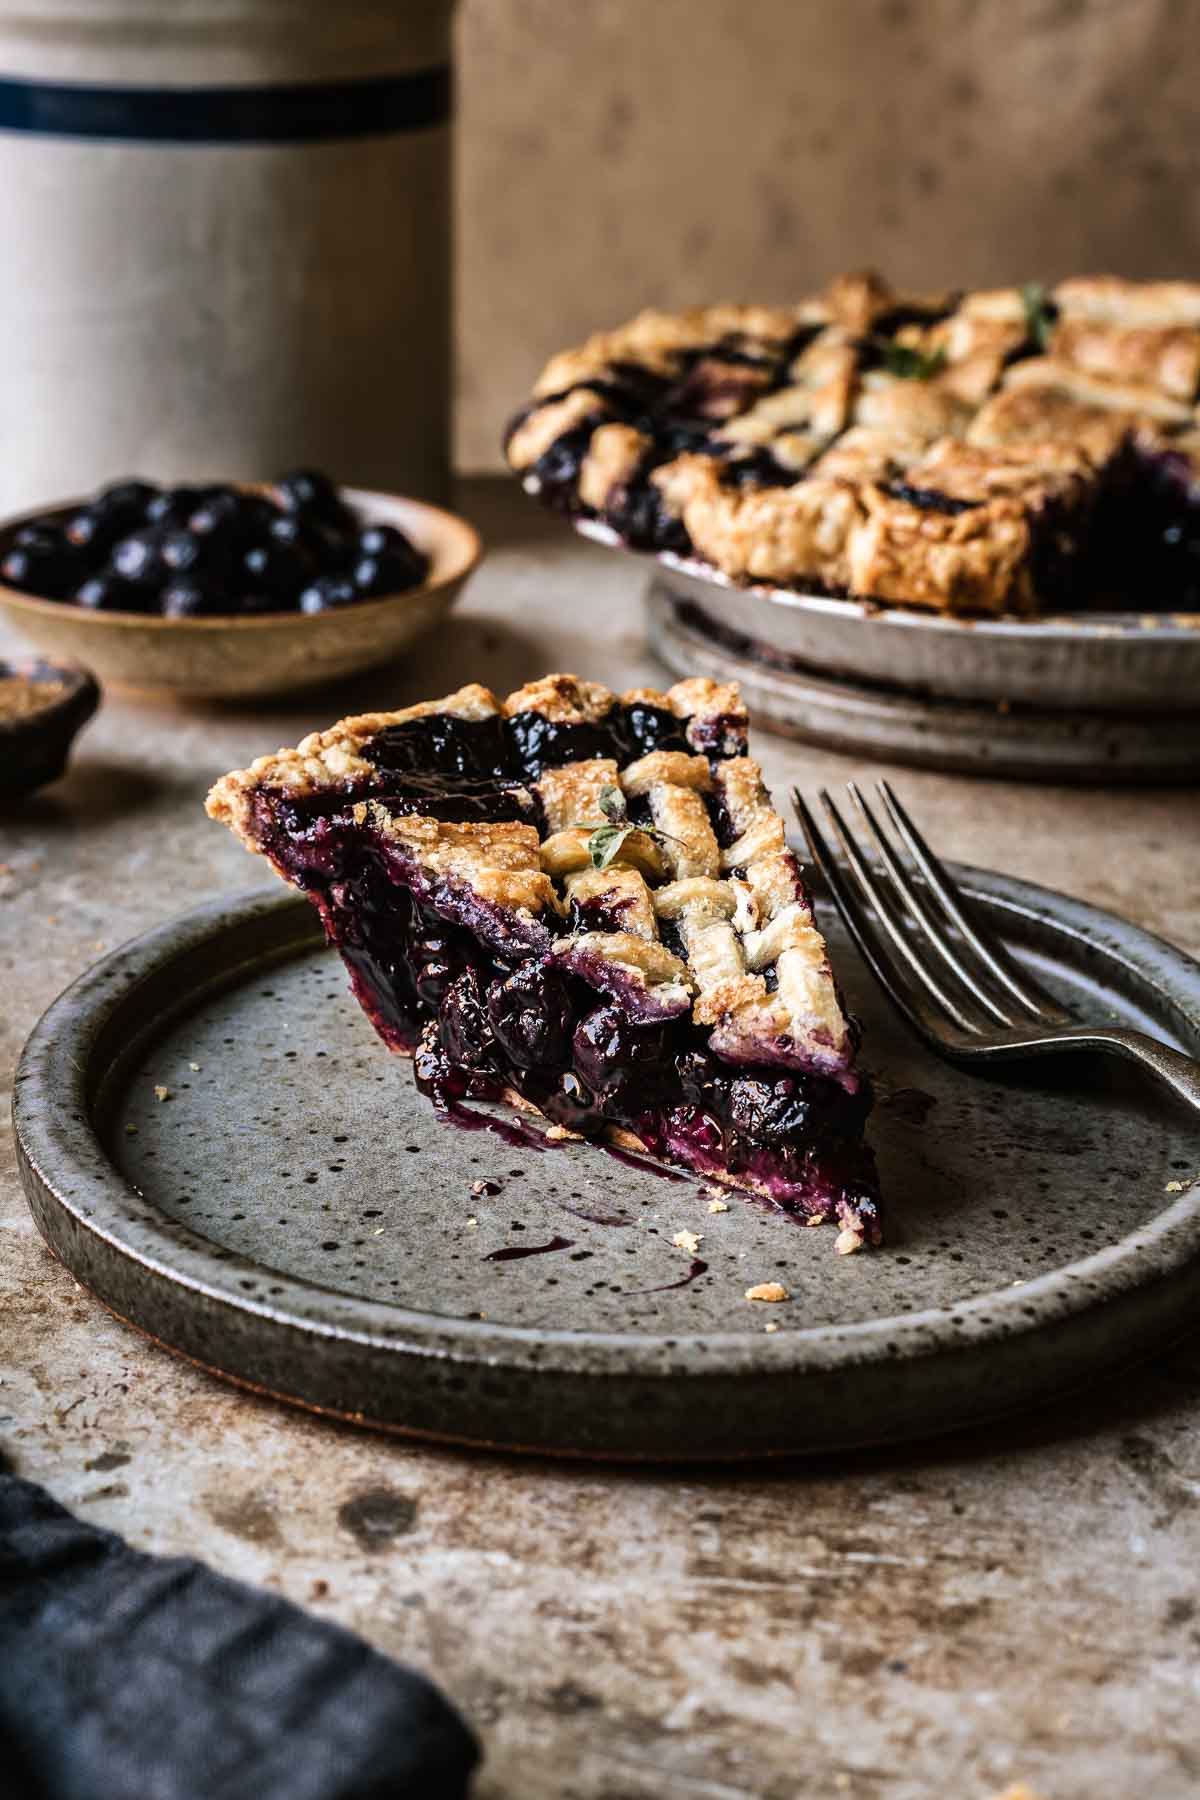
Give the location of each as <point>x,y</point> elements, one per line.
<point>229,590</point>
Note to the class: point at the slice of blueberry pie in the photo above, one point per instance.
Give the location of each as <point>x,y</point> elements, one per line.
<point>586,905</point>
<point>1003,451</point>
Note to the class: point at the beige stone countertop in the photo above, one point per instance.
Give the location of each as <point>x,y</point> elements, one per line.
<point>932,1621</point>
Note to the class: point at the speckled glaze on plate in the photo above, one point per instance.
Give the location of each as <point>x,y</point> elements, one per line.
<point>213,1141</point>
<point>1111,662</point>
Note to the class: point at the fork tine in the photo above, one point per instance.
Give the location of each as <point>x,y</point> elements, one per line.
<point>1033,998</point>
<point>882,909</point>
<point>934,931</point>
<point>873,952</point>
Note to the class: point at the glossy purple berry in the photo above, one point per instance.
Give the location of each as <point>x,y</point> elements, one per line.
<point>328,592</point>
<point>111,593</point>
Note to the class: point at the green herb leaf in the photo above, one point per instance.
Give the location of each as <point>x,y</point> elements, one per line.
<point>605,843</point>
<point>612,802</point>
<point>609,835</point>
<point>1039,313</point>
<point>909,363</point>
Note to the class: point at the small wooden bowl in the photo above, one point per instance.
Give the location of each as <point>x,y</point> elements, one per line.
<point>34,746</point>
<point>270,653</point>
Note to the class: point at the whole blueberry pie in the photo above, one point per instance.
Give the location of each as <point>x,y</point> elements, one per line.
<point>585,905</point>
<point>1015,450</point>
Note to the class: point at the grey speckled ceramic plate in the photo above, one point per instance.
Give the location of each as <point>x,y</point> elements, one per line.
<point>213,1140</point>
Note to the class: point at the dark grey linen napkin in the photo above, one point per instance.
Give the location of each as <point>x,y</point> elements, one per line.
<point>132,1677</point>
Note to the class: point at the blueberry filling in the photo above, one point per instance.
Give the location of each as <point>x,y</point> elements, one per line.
<point>635,510</point>
<point>757,468</point>
<point>556,470</point>
<point>929,499</point>
<point>441,750</point>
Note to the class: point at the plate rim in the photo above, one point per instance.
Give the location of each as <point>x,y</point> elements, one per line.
<point>52,1116</point>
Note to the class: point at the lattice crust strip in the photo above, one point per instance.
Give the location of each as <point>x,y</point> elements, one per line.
<point>737,929</point>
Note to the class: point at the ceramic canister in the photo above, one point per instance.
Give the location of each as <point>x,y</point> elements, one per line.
<point>224,241</point>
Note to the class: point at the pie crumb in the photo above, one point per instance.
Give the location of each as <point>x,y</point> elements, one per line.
<point>687,1240</point>
<point>195,1067</point>
<point>562,1134</point>
<point>768,1290</point>
<point>472,1224</point>
<point>162,1093</point>
<point>717,1206</point>
<point>1174,1187</point>
<point>771,1326</point>
<point>847,1242</point>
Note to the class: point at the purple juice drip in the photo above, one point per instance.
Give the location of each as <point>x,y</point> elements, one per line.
<point>517,1137</point>
<point>645,1164</point>
<point>698,1267</point>
<point>512,1252</point>
<point>594,1218</point>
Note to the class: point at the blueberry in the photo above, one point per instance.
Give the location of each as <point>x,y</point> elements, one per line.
<point>531,1016</point>
<point>45,567</point>
<point>174,506</point>
<point>127,498</point>
<point>111,593</point>
<point>387,573</point>
<point>94,531</point>
<point>37,536</point>
<point>217,516</point>
<point>770,1109</point>
<point>327,592</point>
<point>182,552</point>
<point>139,557</point>
<point>275,568</point>
<point>189,598</point>
<point>377,540</point>
<point>607,1048</point>
<point>464,1026</point>
<point>289,529</point>
<point>310,492</point>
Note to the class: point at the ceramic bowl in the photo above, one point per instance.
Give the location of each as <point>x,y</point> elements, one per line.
<point>34,746</point>
<point>273,653</point>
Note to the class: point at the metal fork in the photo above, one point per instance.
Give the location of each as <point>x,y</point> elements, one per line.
<point>951,978</point>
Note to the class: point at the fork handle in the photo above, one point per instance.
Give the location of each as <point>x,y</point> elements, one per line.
<point>1180,1073</point>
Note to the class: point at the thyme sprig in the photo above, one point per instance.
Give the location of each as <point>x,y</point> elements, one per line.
<point>1040,313</point>
<point>909,363</point>
<point>608,835</point>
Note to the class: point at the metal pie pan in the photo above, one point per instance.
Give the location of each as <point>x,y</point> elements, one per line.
<point>1132,662</point>
<point>213,1141</point>
<point>976,737</point>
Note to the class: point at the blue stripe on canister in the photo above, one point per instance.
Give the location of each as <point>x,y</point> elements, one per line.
<point>294,113</point>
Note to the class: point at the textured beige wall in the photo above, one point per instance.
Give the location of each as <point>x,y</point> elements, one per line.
<point>621,153</point>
